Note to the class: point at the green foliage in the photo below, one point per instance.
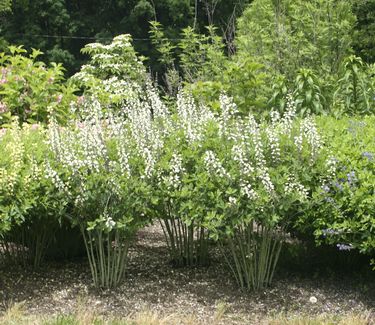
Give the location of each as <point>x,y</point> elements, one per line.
<point>355,88</point>
<point>201,57</point>
<point>207,71</point>
<point>163,45</point>
<point>5,5</point>
<point>246,81</point>
<point>304,44</point>
<point>304,47</point>
<point>307,93</point>
<point>31,91</point>
<point>364,36</point>
<point>345,207</point>
<point>30,208</point>
<point>289,35</point>
<point>115,72</point>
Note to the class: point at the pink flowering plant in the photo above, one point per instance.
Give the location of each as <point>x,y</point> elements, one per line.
<point>30,90</point>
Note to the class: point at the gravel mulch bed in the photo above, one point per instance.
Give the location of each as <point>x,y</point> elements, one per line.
<point>152,284</point>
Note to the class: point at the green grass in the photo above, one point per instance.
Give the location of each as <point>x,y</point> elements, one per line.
<point>353,319</point>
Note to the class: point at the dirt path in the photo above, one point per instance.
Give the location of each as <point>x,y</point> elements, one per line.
<point>152,284</point>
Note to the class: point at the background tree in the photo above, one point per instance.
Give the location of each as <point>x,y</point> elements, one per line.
<point>364,40</point>
<point>306,47</point>
<point>5,5</point>
<point>60,28</point>
<point>288,35</point>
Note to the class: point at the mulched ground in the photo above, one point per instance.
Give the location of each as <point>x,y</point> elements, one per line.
<point>152,284</point>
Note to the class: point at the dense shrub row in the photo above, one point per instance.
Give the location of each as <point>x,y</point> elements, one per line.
<point>30,208</point>
<point>203,176</point>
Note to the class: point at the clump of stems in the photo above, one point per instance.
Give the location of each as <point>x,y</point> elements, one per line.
<point>254,250</point>
<point>27,244</point>
<point>187,244</point>
<point>107,253</point>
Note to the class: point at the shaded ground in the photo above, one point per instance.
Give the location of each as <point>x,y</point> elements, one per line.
<point>152,284</point>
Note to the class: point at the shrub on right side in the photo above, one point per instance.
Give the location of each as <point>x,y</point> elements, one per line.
<point>343,212</point>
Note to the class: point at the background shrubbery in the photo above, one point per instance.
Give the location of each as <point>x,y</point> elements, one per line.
<point>31,91</point>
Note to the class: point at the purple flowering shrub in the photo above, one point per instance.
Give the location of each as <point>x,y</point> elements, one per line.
<point>344,211</point>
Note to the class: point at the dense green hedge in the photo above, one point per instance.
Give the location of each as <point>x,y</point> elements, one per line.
<point>204,176</point>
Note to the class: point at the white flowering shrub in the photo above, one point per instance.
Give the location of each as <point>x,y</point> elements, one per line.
<point>103,164</point>
<point>250,182</point>
<point>114,74</point>
<point>203,176</point>
<point>30,207</point>
<point>186,133</point>
<point>232,179</point>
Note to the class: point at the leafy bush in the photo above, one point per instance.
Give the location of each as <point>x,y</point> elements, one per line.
<point>30,208</point>
<point>255,184</point>
<point>200,56</point>
<point>180,214</point>
<point>236,181</point>
<point>345,206</point>
<point>30,90</point>
<point>355,93</point>
<point>307,91</point>
<point>287,35</point>
<point>305,49</point>
<point>98,168</point>
<point>206,71</point>
<point>114,73</point>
